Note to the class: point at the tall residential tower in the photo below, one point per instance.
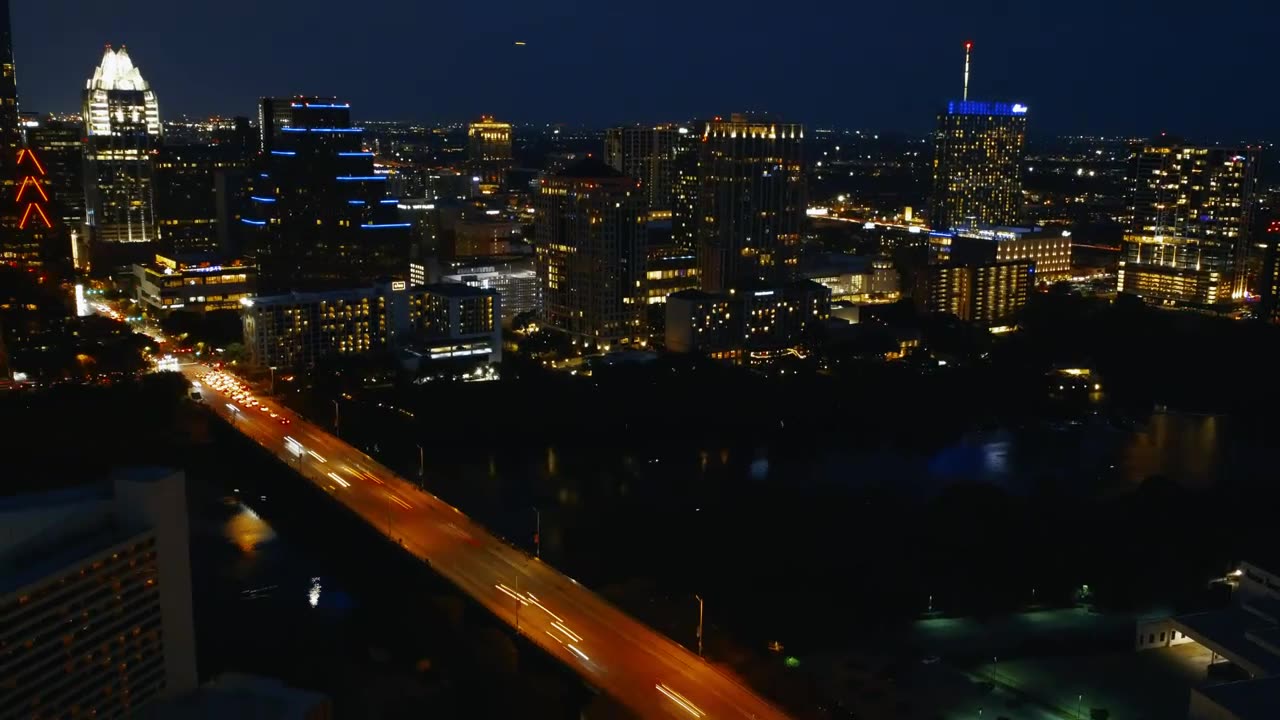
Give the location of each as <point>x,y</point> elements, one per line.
<point>1187,240</point>
<point>751,201</point>
<point>589,226</point>
<point>489,152</point>
<point>977,162</point>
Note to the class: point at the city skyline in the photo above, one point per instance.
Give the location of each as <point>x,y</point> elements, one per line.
<point>1026,54</point>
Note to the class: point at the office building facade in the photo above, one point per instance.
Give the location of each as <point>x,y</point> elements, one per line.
<point>317,215</point>
<point>198,190</point>
<point>95,598</point>
<point>436,322</point>
<point>23,245</point>
<point>489,153</point>
<point>122,132</point>
<point>590,246</point>
<point>193,283</point>
<point>977,165</point>
<point>751,202</point>
<point>59,143</point>
<point>1187,241</point>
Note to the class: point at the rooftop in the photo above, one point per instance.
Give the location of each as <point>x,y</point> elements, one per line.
<point>116,72</point>
<point>1247,699</point>
<point>590,167</point>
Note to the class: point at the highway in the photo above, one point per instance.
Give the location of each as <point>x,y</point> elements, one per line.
<point>645,671</point>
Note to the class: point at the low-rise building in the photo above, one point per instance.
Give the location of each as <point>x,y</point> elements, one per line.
<point>1246,635</point>
<point>986,293</point>
<point>515,280</point>
<point>754,324</point>
<point>441,320</point>
<point>194,283</point>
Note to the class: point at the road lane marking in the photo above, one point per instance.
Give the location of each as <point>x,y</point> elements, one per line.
<point>567,632</point>
<point>512,593</point>
<point>339,480</point>
<point>680,700</point>
<point>395,499</point>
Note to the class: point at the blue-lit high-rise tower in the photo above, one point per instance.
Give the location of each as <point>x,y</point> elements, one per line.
<point>977,162</point>
<point>317,215</point>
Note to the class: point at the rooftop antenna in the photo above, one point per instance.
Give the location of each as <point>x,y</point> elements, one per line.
<point>968,46</point>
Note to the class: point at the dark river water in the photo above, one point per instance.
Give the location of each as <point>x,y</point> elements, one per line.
<point>609,515</point>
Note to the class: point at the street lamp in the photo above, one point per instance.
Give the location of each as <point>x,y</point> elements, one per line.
<point>421,472</point>
<point>699,599</point>
<point>1079,702</point>
<point>337,418</point>
<point>537,532</point>
<point>273,379</point>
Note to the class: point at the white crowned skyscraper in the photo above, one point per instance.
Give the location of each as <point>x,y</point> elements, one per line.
<point>122,128</point>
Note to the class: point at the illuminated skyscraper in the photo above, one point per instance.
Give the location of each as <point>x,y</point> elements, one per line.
<point>10,133</point>
<point>122,130</point>
<point>489,152</point>
<point>23,245</point>
<point>60,147</point>
<point>977,165</point>
<point>318,217</point>
<point>195,186</point>
<point>1187,240</point>
<point>590,238</point>
<point>751,201</point>
<point>648,155</point>
<point>684,189</point>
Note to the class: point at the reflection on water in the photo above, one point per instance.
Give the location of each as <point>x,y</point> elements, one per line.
<point>247,531</point>
<point>1184,448</point>
<point>313,593</point>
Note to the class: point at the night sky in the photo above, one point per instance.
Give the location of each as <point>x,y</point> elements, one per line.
<point>1190,67</point>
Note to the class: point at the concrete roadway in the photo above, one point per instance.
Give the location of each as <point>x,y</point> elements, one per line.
<point>642,669</point>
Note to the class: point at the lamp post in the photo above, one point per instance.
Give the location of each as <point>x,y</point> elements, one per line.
<point>537,533</point>
<point>421,472</point>
<point>273,379</point>
<point>1079,702</point>
<point>699,598</point>
<point>337,419</point>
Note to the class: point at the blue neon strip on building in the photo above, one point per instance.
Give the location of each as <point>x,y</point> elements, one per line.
<point>355,154</point>
<point>258,198</point>
<point>355,202</point>
<point>283,152</point>
<point>359,178</point>
<point>380,226</point>
<point>323,130</point>
<point>390,201</point>
<point>973,107</point>
<point>247,221</point>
